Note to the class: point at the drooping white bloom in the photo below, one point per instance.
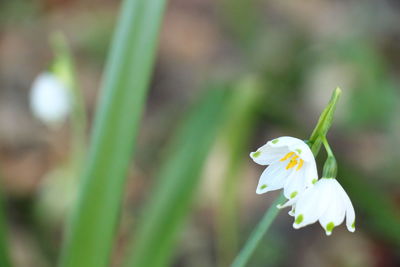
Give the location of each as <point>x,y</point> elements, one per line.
<point>50,99</point>
<point>326,202</point>
<point>291,166</point>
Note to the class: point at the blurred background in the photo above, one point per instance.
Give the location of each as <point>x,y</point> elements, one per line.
<point>280,60</point>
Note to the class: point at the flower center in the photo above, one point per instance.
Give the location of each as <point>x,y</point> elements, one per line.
<point>294,160</point>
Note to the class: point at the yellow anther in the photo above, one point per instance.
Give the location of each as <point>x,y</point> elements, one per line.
<point>294,158</point>
<point>291,164</point>
<point>300,165</point>
<point>288,155</point>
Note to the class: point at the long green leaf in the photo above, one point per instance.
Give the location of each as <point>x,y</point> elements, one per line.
<point>175,187</point>
<point>90,233</point>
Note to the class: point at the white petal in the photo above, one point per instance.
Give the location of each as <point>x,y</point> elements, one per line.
<point>288,203</point>
<point>335,209</point>
<point>350,217</point>
<point>306,212</point>
<point>295,184</point>
<point>286,141</point>
<point>304,151</point>
<point>267,154</point>
<point>299,180</point>
<point>273,178</point>
<point>299,147</point>
<point>350,214</point>
<point>310,205</point>
<point>279,147</point>
<point>310,173</point>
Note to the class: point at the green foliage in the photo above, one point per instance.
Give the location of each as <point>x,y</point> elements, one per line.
<point>371,84</point>
<point>238,17</point>
<point>4,254</point>
<point>235,135</point>
<point>18,12</point>
<point>175,187</point>
<point>91,230</point>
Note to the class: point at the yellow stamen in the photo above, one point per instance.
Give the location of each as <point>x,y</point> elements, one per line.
<point>300,165</point>
<point>288,155</point>
<point>291,164</point>
<point>293,161</point>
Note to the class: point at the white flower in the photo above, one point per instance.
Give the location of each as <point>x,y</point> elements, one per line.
<point>50,99</point>
<point>291,166</point>
<point>326,202</point>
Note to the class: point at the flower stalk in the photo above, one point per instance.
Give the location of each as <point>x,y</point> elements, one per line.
<point>63,67</point>
<point>330,166</point>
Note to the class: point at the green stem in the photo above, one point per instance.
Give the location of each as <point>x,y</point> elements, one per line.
<point>258,233</point>
<point>330,166</point>
<point>64,68</point>
<point>327,146</point>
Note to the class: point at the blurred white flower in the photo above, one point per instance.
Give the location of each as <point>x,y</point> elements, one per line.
<point>326,202</point>
<point>50,99</point>
<point>291,167</point>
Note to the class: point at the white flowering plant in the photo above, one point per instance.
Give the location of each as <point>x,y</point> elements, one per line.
<point>56,98</point>
<point>292,167</point>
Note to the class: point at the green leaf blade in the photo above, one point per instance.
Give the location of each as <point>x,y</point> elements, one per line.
<point>175,188</point>
<point>91,229</point>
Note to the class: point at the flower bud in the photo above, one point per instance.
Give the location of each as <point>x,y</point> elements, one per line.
<point>50,99</point>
